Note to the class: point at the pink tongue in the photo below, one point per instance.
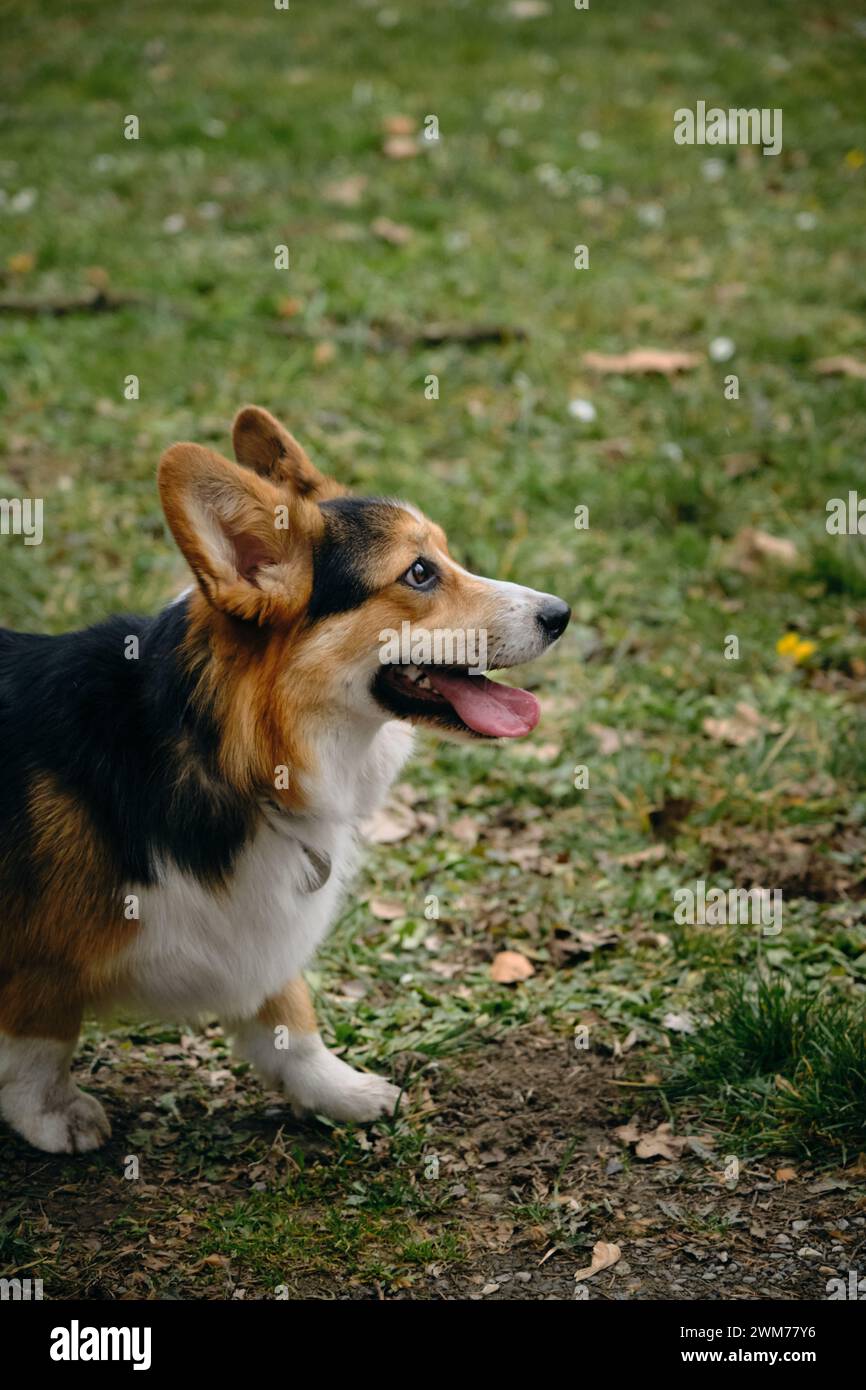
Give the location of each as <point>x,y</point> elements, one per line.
<point>497,710</point>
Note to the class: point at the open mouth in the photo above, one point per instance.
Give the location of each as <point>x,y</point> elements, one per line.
<point>452,698</point>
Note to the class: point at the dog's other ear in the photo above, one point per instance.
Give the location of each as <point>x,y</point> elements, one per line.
<point>263,444</point>
<point>249,548</point>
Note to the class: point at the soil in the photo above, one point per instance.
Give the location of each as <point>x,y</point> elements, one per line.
<point>520,1135</point>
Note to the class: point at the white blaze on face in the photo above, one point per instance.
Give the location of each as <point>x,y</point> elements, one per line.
<point>515,634</point>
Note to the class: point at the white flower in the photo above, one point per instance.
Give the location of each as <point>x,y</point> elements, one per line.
<point>175,222</point>
<point>713,170</point>
<point>721,349</point>
<point>806,221</point>
<point>213,127</point>
<point>589,140</point>
<point>673,452</point>
<point>23,200</point>
<point>582,410</point>
<point>651,214</point>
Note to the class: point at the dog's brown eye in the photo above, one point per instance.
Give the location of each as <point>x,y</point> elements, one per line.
<point>420,575</point>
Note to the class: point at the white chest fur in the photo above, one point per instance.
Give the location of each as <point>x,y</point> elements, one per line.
<point>225,950</point>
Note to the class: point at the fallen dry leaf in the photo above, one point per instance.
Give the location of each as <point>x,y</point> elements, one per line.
<point>324,353</point>
<point>510,967</point>
<point>21,263</point>
<point>387,825</point>
<point>786,1174</point>
<point>662,1143</point>
<point>399,125</point>
<point>753,547</point>
<point>288,308</point>
<point>386,911</point>
<point>627,1134</point>
<point>739,729</point>
<point>400,147</point>
<point>395,233</point>
<point>841,366</point>
<point>641,856</point>
<point>347,192</point>
<point>465,830</point>
<point>679,1023</point>
<point>604,1254</point>
<point>640,361</point>
<point>608,739</point>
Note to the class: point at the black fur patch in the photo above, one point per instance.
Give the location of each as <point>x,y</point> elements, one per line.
<point>355,527</point>
<point>120,736</point>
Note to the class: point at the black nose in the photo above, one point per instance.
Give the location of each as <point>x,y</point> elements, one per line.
<point>553,616</point>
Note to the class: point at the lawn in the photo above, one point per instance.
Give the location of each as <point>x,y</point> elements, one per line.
<point>668,753</point>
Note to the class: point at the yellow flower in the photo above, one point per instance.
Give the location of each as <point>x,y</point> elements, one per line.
<point>855,159</point>
<point>795,648</point>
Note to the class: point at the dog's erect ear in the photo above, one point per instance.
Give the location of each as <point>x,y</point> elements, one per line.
<point>248,546</point>
<point>263,444</point>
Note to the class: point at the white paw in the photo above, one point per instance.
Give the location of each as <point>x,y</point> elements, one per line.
<point>315,1080</point>
<point>76,1123</point>
<point>359,1098</point>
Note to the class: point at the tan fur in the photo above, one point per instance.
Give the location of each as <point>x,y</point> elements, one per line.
<point>292,1008</point>
<point>64,924</point>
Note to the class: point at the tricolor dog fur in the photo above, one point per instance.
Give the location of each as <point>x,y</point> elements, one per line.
<point>152,777</point>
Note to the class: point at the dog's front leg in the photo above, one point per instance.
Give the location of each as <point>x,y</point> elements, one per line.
<point>38,1097</point>
<point>284,1046</point>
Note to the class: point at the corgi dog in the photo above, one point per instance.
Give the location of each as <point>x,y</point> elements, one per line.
<point>181,794</point>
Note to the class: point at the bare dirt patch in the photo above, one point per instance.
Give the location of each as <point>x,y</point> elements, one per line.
<point>521,1173</point>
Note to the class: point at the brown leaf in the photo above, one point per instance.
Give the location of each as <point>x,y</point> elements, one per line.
<point>347,192</point>
<point>641,856</point>
<point>395,233</point>
<point>604,1254</point>
<point>660,1144</point>
<point>753,548</point>
<point>324,353</point>
<point>389,824</point>
<point>288,308</point>
<point>640,361</point>
<point>627,1134</point>
<point>608,739</point>
<point>739,729</point>
<point>510,967</point>
<point>399,125</point>
<point>465,830</point>
<point>841,366</point>
<point>786,1175</point>
<point>386,911</point>
<point>400,147</point>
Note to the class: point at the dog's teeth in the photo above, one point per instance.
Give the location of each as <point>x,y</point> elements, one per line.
<point>423,683</point>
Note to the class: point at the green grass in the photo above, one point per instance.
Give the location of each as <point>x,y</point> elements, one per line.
<point>780,1067</point>
<point>555,131</point>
